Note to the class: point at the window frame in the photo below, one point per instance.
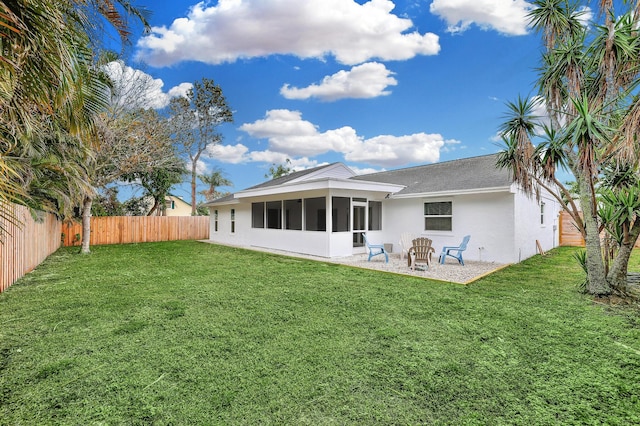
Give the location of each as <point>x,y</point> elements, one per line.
<point>254,216</point>
<point>233,221</point>
<point>293,211</point>
<point>269,207</point>
<point>341,214</point>
<point>375,215</point>
<point>319,224</point>
<point>448,216</point>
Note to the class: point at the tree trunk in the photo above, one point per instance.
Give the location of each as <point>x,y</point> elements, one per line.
<point>597,283</point>
<point>86,224</point>
<point>618,272</point>
<point>193,187</point>
<point>156,203</point>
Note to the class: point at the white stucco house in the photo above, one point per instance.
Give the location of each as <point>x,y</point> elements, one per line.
<point>325,210</point>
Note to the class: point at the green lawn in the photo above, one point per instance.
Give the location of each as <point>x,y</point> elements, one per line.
<point>188,333</point>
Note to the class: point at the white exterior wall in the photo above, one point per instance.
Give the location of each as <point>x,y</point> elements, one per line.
<point>242,223</point>
<point>503,226</point>
<point>308,242</point>
<point>317,243</point>
<point>528,228</point>
<point>488,218</point>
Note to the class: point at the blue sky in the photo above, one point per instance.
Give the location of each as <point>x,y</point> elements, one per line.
<point>376,84</point>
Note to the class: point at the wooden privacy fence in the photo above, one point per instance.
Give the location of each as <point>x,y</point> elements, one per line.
<point>569,234</point>
<point>138,229</point>
<point>25,245</point>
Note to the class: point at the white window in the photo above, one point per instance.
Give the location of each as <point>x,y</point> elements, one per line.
<point>274,214</point>
<point>375,215</point>
<point>293,214</point>
<point>340,214</point>
<point>257,215</point>
<point>438,216</point>
<point>215,220</point>
<point>233,220</point>
<point>541,213</point>
<point>315,214</point>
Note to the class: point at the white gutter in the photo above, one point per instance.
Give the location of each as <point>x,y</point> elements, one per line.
<point>457,192</point>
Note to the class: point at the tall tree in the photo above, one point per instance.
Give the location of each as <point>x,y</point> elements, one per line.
<point>131,138</point>
<point>157,182</point>
<point>588,81</point>
<point>50,94</point>
<point>213,179</point>
<point>276,171</point>
<point>195,120</point>
<point>134,145</point>
<point>107,203</point>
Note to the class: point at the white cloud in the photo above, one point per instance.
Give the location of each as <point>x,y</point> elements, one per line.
<point>134,88</point>
<point>365,170</point>
<point>585,15</point>
<point>390,150</point>
<point>267,157</point>
<point>288,132</point>
<point>180,90</point>
<point>353,33</point>
<point>505,16</point>
<point>364,81</point>
<point>201,166</point>
<point>272,157</point>
<point>290,136</point>
<point>233,154</point>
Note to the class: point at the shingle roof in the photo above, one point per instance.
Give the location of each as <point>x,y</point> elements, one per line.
<point>465,174</point>
<point>456,175</point>
<point>273,182</point>
<point>288,178</point>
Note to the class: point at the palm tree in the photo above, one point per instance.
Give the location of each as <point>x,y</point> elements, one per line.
<point>587,84</point>
<point>50,94</point>
<point>214,179</point>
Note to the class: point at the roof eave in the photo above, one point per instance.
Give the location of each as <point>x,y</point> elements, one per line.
<point>220,203</point>
<point>323,183</point>
<point>472,191</point>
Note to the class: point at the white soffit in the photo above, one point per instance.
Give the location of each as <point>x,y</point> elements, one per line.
<point>319,184</point>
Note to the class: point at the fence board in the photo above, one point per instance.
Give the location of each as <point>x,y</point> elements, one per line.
<point>25,245</point>
<point>569,234</point>
<point>139,229</point>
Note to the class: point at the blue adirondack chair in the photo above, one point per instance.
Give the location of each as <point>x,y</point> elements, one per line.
<point>447,251</point>
<point>375,249</point>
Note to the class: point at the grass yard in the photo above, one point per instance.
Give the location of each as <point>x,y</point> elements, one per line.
<point>187,333</point>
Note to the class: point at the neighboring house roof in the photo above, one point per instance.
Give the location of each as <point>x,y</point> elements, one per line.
<point>475,174</point>
<point>177,198</point>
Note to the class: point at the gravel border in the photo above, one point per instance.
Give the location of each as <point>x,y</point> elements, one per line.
<point>451,271</point>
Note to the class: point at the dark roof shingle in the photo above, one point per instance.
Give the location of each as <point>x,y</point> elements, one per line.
<point>288,178</point>
<point>455,175</point>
